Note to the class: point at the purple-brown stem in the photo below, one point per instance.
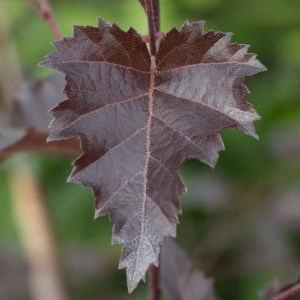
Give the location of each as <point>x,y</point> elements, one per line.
<point>156,10</point>
<point>33,5</point>
<point>45,11</point>
<point>151,26</point>
<point>154,289</point>
<point>288,294</point>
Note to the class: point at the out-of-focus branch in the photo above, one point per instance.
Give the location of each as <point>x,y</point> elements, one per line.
<point>35,234</point>
<point>29,212</point>
<point>45,11</point>
<point>154,286</point>
<point>289,293</point>
<point>33,5</point>
<point>35,141</point>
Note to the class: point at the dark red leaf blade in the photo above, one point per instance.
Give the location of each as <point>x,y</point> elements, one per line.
<point>180,278</point>
<point>138,120</point>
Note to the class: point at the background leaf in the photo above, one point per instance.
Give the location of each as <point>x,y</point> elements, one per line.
<point>180,278</point>
<point>24,123</point>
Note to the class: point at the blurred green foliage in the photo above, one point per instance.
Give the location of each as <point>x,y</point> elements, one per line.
<point>256,175</point>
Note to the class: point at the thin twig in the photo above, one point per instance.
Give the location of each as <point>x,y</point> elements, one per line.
<point>151,26</point>
<point>47,14</point>
<point>35,141</point>
<point>154,288</point>
<point>45,11</point>
<point>33,5</point>
<point>288,294</point>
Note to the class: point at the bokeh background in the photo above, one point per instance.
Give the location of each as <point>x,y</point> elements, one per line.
<point>240,221</point>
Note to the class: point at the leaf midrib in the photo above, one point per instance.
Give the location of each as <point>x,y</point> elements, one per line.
<point>148,156</point>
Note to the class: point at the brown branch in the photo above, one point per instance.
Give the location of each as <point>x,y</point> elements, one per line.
<point>33,5</point>
<point>156,9</point>
<point>151,26</point>
<point>45,11</point>
<point>35,141</point>
<point>156,14</point>
<point>38,245</point>
<point>154,287</point>
<point>288,294</point>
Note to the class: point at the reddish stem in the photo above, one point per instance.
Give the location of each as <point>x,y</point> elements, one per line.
<point>151,26</point>
<point>44,10</point>
<point>154,289</point>
<point>47,14</point>
<point>156,10</point>
<point>33,5</point>
<point>36,140</point>
<point>288,294</point>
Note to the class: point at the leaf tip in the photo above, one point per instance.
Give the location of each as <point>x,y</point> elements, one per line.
<point>96,214</point>
<point>43,63</point>
<point>253,134</point>
<point>102,23</point>
<point>131,288</point>
<point>263,67</point>
<point>71,179</point>
<point>212,163</point>
<point>132,282</point>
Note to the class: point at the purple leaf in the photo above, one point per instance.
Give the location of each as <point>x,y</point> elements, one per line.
<point>139,118</point>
